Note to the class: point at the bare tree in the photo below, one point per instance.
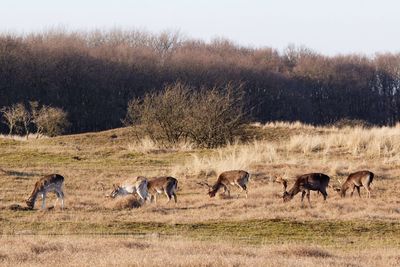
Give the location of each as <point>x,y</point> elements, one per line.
<point>25,118</point>
<point>13,115</point>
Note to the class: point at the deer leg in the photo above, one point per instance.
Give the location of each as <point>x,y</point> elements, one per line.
<point>62,200</point>
<point>324,194</point>
<point>368,191</point>
<point>60,195</point>
<point>308,197</point>
<point>168,196</point>
<point>57,198</point>
<point>226,189</point>
<point>244,188</point>
<point>352,191</point>
<point>43,201</point>
<point>241,190</point>
<point>358,191</point>
<point>175,199</point>
<point>303,193</point>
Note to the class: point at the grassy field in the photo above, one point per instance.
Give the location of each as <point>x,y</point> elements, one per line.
<point>199,231</point>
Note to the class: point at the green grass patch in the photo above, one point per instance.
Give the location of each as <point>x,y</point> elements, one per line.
<point>337,234</point>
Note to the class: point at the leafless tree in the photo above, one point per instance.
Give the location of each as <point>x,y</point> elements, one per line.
<point>14,115</point>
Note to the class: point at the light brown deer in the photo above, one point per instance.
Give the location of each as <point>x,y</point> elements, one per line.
<point>282,181</point>
<point>306,183</point>
<point>163,184</point>
<point>48,183</point>
<point>133,185</point>
<point>237,178</point>
<point>355,181</point>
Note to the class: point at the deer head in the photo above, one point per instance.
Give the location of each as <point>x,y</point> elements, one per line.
<point>210,192</point>
<point>338,188</point>
<point>116,190</point>
<point>282,181</point>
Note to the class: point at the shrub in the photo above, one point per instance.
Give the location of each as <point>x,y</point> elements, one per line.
<point>50,121</point>
<point>209,117</point>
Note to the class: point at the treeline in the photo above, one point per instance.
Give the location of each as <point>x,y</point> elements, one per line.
<point>93,75</point>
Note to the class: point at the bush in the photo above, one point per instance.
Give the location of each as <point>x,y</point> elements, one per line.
<point>209,117</point>
<point>47,120</point>
<point>50,121</point>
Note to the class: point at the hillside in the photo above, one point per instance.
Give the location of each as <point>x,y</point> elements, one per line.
<point>351,230</point>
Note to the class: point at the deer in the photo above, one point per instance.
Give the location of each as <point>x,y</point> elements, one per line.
<point>48,183</point>
<point>282,181</point>
<point>163,184</point>
<point>304,183</point>
<point>237,178</point>
<point>136,185</point>
<point>355,181</point>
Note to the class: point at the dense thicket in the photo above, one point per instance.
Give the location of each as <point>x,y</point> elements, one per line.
<point>92,76</point>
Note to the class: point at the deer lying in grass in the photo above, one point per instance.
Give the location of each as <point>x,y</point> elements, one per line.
<point>164,184</point>
<point>237,178</point>
<point>355,181</point>
<point>48,183</point>
<point>136,185</point>
<point>304,183</point>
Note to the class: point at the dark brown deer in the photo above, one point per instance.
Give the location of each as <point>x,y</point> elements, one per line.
<point>355,181</point>
<point>238,178</point>
<point>306,183</point>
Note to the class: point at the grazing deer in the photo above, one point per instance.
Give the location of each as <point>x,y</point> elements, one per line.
<point>238,178</point>
<point>136,185</point>
<point>306,182</point>
<point>163,184</point>
<point>355,181</point>
<point>48,183</point>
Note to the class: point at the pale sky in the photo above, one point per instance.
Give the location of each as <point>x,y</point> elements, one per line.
<point>326,26</point>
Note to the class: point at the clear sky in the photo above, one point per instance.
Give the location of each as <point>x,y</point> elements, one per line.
<point>326,26</point>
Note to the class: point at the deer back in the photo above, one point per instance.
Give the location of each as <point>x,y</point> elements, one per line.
<point>360,178</point>
<point>311,181</point>
<point>232,177</point>
<point>161,183</point>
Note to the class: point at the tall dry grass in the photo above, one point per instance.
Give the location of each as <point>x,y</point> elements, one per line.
<point>331,145</point>
<point>147,145</point>
<point>372,143</point>
<point>233,156</point>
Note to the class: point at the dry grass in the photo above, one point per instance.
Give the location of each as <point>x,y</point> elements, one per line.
<point>147,145</point>
<point>274,231</point>
<point>235,156</point>
<point>176,251</point>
